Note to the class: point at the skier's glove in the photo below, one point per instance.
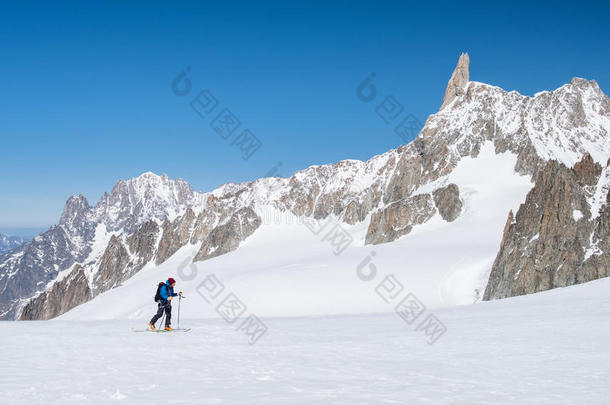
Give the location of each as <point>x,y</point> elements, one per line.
<point>170,298</point>
<point>180,293</point>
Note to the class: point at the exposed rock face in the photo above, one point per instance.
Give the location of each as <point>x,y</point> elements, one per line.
<point>120,261</point>
<point>398,219</point>
<point>112,265</point>
<point>29,268</point>
<point>447,200</point>
<point>555,240</point>
<point>226,238</point>
<point>458,80</point>
<point>204,223</point>
<point>74,216</point>
<point>175,235</point>
<point>125,256</point>
<point>71,291</point>
<point>143,243</point>
<point>323,190</point>
<point>587,171</point>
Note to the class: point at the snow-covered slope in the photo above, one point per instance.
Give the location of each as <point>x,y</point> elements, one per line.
<point>284,269</point>
<point>546,348</point>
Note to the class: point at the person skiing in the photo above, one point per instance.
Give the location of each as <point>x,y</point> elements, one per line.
<point>165,295</point>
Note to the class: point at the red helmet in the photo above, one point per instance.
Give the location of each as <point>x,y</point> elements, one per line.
<point>171,281</point>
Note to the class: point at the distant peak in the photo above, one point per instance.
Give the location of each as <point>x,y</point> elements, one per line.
<point>151,175</point>
<point>144,178</point>
<point>458,79</point>
<point>78,202</point>
<point>75,207</point>
<point>147,175</point>
<point>581,82</point>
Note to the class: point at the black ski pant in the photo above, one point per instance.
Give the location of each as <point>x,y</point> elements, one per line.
<point>167,307</point>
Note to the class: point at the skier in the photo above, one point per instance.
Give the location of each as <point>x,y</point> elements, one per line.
<point>165,295</point>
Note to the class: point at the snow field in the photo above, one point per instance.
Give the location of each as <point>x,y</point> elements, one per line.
<point>547,348</point>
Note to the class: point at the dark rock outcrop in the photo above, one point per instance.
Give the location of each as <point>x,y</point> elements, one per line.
<point>27,269</point>
<point>587,171</point>
<point>458,80</point>
<point>120,261</point>
<point>227,237</point>
<point>398,219</point>
<point>143,243</point>
<point>175,235</point>
<point>112,265</point>
<point>447,201</point>
<point>553,240</point>
<point>71,291</point>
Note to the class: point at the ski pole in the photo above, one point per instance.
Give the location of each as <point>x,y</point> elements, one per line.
<point>179,301</point>
<point>162,319</point>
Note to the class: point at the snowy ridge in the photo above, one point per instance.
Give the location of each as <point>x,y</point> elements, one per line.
<point>562,125</point>
<point>137,200</point>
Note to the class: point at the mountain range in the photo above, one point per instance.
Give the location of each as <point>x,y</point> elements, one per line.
<point>10,242</point>
<point>557,143</point>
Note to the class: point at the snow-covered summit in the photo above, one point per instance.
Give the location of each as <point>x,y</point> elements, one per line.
<point>134,201</point>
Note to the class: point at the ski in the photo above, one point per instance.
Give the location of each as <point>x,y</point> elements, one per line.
<point>174,330</point>
<point>162,330</point>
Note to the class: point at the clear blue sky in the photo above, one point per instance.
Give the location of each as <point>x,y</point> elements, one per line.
<point>87,100</point>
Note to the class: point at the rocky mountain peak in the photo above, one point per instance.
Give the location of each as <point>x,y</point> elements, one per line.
<point>75,208</point>
<point>134,201</point>
<point>458,80</point>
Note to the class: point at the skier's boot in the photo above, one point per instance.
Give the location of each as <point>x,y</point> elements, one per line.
<point>151,326</point>
<point>167,328</point>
